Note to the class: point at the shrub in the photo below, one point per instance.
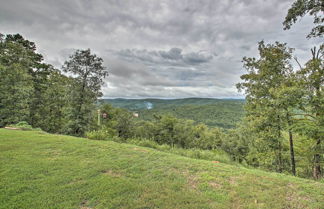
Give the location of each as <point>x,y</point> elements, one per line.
<point>212,155</point>
<point>97,135</point>
<point>23,125</point>
<point>144,143</point>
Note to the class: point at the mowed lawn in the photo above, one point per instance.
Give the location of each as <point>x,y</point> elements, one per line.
<point>40,170</point>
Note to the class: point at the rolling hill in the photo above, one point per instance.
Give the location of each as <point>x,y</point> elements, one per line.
<point>224,113</point>
<point>40,170</point>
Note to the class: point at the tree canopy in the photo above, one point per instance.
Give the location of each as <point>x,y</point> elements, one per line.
<point>300,8</point>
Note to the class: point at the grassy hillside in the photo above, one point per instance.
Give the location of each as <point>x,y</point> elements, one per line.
<point>40,170</point>
<point>223,113</point>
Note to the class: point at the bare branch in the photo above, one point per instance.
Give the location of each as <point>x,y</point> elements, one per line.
<point>295,58</point>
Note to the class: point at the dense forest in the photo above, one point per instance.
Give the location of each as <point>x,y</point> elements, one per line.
<point>223,113</point>
<point>282,129</point>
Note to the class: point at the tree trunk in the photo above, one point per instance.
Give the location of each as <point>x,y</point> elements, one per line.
<point>280,158</point>
<point>291,146</point>
<point>292,154</point>
<point>317,172</point>
<point>79,108</point>
<point>280,164</point>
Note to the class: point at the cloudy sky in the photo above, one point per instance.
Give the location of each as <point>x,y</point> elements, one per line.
<point>158,48</point>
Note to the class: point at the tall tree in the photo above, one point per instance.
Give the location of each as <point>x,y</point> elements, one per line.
<point>312,120</point>
<point>21,57</point>
<point>265,76</point>
<point>16,89</point>
<point>54,98</point>
<point>312,76</point>
<point>89,73</point>
<point>287,97</point>
<point>17,60</point>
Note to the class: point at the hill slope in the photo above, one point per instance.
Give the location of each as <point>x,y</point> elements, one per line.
<point>137,104</point>
<point>223,113</point>
<point>40,170</point>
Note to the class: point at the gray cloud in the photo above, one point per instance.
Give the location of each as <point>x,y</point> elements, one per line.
<point>158,48</point>
<point>174,56</point>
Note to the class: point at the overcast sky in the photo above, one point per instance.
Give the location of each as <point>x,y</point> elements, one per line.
<point>158,48</point>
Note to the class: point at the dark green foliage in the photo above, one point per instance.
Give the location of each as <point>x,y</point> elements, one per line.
<point>265,77</point>
<point>224,113</point>
<point>236,144</point>
<point>15,92</point>
<point>30,90</point>
<point>300,8</point>
<point>137,104</point>
<point>55,100</point>
<point>19,55</point>
<point>33,91</point>
<point>17,60</point>
<point>310,120</point>
<point>88,72</point>
<point>166,130</point>
<point>282,107</point>
<point>118,122</point>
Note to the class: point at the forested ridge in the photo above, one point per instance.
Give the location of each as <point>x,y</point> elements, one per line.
<point>223,113</point>
<point>281,128</point>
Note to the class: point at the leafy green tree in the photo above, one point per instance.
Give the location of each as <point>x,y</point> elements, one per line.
<point>144,129</point>
<point>236,142</point>
<point>117,122</point>
<point>124,124</point>
<point>302,7</point>
<point>17,62</point>
<point>265,76</point>
<point>29,73</point>
<point>89,73</point>
<point>312,78</point>
<point>185,133</point>
<point>311,118</point>
<point>16,49</point>
<point>287,97</point>
<point>16,89</point>
<point>55,103</point>
<point>165,132</point>
<point>206,138</point>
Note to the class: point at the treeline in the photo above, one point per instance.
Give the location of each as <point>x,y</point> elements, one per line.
<point>36,92</point>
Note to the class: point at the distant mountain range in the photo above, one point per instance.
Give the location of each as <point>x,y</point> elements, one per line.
<point>224,113</point>
<point>149,103</point>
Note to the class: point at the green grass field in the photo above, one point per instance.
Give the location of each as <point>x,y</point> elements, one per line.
<point>40,170</point>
